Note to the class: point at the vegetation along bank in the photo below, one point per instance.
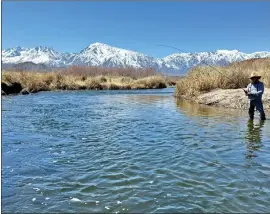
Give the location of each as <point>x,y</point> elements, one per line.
<point>222,86</point>
<point>83,78</point>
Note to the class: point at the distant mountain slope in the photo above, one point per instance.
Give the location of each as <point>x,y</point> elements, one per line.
<point>103,55</point>
<point>26,66</point>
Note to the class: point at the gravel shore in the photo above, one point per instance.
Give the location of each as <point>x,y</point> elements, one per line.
<point>229,98</point>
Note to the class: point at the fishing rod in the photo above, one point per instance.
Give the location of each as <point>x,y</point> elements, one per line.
<point>203,62</point>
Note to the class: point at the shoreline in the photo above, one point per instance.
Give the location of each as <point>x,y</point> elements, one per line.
<point>25,92</point>
<point>228,98</point>
<point>14,83</point>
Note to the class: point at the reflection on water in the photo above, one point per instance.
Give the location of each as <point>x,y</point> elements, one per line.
<point>194,109</point>
<point>134,151</point>
<point>145,99</point>
<point>254,137</point>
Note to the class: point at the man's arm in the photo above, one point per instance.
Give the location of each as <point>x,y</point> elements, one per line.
<point>260,89</point>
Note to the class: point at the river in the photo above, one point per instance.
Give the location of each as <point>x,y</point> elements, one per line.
<point>130,151</point>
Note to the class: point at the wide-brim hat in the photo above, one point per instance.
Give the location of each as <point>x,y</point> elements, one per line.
<point>255,74</point>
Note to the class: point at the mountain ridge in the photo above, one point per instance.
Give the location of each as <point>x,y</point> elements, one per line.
<point>103,55</point>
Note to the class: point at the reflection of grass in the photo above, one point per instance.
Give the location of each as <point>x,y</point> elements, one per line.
<point>146,99</point>
<point>236,75</point>
<point>38,81</point>
<point>194,109</point>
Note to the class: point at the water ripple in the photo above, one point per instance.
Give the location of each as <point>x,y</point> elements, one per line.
<point>131,151</point>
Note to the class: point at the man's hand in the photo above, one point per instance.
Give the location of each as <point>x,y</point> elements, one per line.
<point>245,90</point>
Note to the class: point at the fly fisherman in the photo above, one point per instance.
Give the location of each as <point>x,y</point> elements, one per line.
<point>254,91</point>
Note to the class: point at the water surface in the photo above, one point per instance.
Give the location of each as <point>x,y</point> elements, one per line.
<point>131,151</point>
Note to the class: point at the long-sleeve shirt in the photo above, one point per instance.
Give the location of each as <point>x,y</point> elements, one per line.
<point>255,90</point>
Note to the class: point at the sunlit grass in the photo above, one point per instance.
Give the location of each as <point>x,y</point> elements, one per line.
<point>82,80</point>
<point>204,78</point>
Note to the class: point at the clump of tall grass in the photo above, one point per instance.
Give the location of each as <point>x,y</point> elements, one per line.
<point>70,80</point>
<point>150,82</point>
<point>171,80</point>
<point>236,75</point>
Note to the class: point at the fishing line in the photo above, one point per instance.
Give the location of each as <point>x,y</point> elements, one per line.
<point>202,62</point>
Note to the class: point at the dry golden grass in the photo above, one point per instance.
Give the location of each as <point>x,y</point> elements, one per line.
<point>86,71</point>
<point>41,81</point>
<point>172,80</point>
<point>204,78</point>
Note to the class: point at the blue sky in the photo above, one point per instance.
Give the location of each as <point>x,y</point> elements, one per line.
<point>139,26</point>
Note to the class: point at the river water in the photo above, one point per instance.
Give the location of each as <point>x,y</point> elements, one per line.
<point>130,151</point>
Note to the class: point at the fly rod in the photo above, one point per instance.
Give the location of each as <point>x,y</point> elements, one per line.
<point>203,62</point>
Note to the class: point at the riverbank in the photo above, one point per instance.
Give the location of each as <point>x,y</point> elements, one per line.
<point>228,98</point>
<point>33,82</point>
<point>222,86</point>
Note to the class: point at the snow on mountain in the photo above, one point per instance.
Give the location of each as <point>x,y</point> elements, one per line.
<point>99,54</point>
<point>103,55</point>
<point>44,55</point>
<point>185,61</point>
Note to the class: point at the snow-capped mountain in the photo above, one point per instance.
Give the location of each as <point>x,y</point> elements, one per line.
<point>103,55</point>
<point>44,55</point>
<point>185,61</point>
<point>99,54</point>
